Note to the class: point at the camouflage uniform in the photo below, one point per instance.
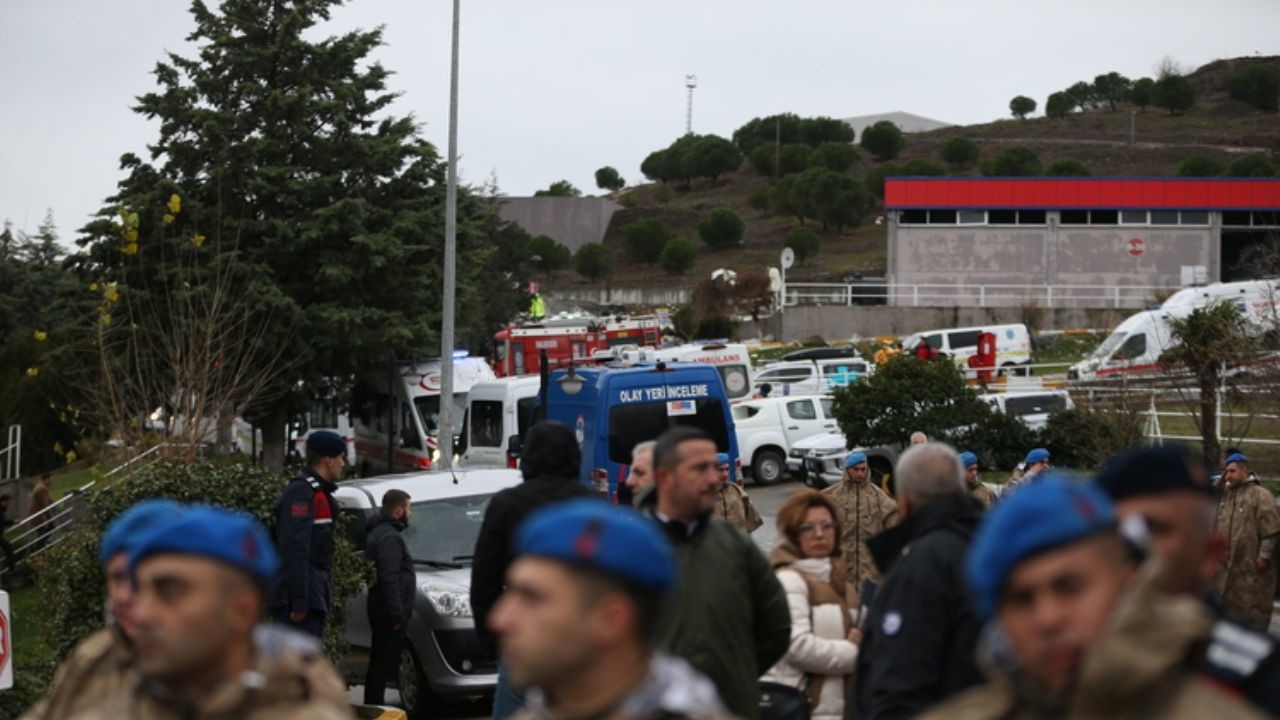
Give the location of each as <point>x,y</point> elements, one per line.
<point>1247,516</point>
<point>983,494</point>
<point>99,668</point>
<point>865,510</point>
<point>735,507</point>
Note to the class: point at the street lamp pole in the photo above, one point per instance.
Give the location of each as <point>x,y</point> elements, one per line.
<point>445,436</point>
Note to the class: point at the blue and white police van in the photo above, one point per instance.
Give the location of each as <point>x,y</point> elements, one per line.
<point>612,409</point>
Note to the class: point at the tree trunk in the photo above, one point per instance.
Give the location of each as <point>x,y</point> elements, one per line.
<point>273,435</point>
<point>224,436</point>
<point>1208,417</point>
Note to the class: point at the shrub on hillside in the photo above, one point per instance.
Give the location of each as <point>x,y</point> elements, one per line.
<point>1173,93</point>
<point>1081,94</point>
<point>643,240</point>
<point>552,257</point>
<point>874,179</point>
<point>1111,89</point>
<point>712,156</point>
<point>837,157</point>
<point>883,140</point>
<point>1200,166</point>
<point>834,199</point>
<point>793,158</point>
<point>607,178</point>
<point>1059,105</point>
<point>1251,166</point>
<point>1258,85</point>
<point>759,199</point>
<point>1013,162</point>
<point>1068,168</point>
<point>960,152</point>
<point>780,195</point>
<point>1141,92</point>
<point>819,131</point>
<point>664,194</point>
<point>803,242</point>
<point>678,256</point>
<point>594,262</point>
<point>654,166</point>
<point>721,229</point>
<point>921,167</point>
<point>70,576</point>
<point>790,128</point>
<point>559,188</point>
<point>1022,106</point>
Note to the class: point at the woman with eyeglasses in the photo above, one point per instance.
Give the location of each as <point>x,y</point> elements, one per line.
<point>824,640</point>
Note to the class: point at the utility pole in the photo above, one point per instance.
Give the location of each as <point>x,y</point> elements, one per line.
<point>445,438</point>
<point>690,82</point>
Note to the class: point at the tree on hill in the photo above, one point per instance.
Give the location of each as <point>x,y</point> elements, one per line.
<point>1141,92</point>
<point>721,229</point>
<point>1173,93</point>
<point>875,178</point>
<point>548,255</point>
<point>780,197</point>
<point>1081,94</point>
<point>711,156</point>
<point>834,156</point>
<point>960,153</point>
<point>607,178</point>
<point>654,166</point>
<point>1059,105</point>
<point>1200,166</point>
<point>803,242</point>
<point>793,158</point>
<point>759,199</point>
<point>594,262</point>
<point>643,240</point>
<point>883,140</point>
<point>1068,168</point>
<point>559,188</point>
<point>1251,166</point>
<point>921,167</point>
<point>767,129</point>
<point>1111,88</point>
<point>834,199</point>
<point>678,256</point>
<point>1013,162</point>
<point>1258,85</point>
<point>1022,106</point>
<point>818,131</point>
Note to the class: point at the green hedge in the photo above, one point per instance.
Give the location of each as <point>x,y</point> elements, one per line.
<point>71,580</point>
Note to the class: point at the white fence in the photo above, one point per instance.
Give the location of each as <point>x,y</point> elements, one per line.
<point>1132,297</point>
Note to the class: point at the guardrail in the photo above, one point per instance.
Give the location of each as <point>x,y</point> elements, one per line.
<point>12,454</point>
<point>1134,297</point>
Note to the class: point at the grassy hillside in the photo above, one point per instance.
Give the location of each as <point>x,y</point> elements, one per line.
<point>1217,127</point>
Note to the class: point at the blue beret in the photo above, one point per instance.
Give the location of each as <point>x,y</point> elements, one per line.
<point>1038,517</point>
<point>122,534</point>
<point>967,458</point>
<point>1037,455</point>
<point>216,533</point>
<point>326,443</point>
<point>611,540</point>
<point>1152,471</point>
<point>1237,458</point>
<point>722,459</point>
<point>857,457</point>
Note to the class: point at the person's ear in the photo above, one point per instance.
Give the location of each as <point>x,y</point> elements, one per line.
<point>610,620</point>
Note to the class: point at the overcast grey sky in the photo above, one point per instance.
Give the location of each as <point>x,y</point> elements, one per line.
<point>554,89</point>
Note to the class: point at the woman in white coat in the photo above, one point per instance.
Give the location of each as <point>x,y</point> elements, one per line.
<point>824,641</point>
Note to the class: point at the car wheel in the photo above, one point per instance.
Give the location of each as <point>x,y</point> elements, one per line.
<point>768,467</point>
<point>412,684</point>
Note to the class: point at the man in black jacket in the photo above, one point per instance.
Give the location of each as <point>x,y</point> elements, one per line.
<point>550,466</point>
<point>391,597</point>
<point>919,638</point>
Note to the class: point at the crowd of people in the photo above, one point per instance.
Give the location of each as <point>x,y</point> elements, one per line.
<point>1143,592</point>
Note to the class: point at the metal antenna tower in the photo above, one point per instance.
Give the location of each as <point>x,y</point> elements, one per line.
<point>690,82</point>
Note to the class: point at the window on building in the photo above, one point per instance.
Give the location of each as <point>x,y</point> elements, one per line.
<point>913,217</point>
<point>1104,217</point>
<point>1075,217</point>
<point>1136,217</point>
<point>1236,218</point>
<point>1195,217</point>
<point>1266,219</point>
<point>1164,217</point>
<point>942,217</point>
<point>1002,217</point>
<point>972,217</point>
<point>1032,217</point>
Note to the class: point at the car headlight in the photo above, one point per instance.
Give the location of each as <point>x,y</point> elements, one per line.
<point>448,600</point>
<point>797,453</point>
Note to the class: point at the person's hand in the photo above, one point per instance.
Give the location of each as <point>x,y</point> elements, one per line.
<point>1262,564</point>
<point>854,636</point>
<point>297,616</point>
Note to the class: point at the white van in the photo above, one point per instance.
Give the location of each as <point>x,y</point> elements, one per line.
<point>732,361</point>
<point>812,377</point>
<point>324,414</point>
<point>415,401</point>
<point>1013,343</point>
<point>1135,346</point>
<point>767,429</point>
<point>496,411</point>
<point>1031,407</point>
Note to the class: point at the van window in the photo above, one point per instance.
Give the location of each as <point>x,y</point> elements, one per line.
<point>743,412</point>
<point>524,415</point>
<point>1032,404</point>
<point>802,410</point>
<point>323,414</point>
<point>790,374</point>
<point>963,339</point>
<point>736,380</point>
<point>428,407</point>
<point>935,341</point>
<point>408,432</point>
<point>828,407</point>
<point>486,423</point>
<point>1135,346</point>
<point>630,425</point>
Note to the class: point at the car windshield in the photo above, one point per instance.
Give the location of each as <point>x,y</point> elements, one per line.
<point>1111,343</point>
<point>445,530</point>
<point>428,407</point>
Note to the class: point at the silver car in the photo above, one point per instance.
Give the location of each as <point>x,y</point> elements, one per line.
<point>443,657</point>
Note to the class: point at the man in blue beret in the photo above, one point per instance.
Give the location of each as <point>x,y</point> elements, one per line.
<point>101,664</point>
<point>199,598</point>
<point>1080,626</point>
<point>734,506</point>
<point>299,597</point>
<point>579,617</point>
<point>865,511</point>
<point>978,490</point>
<point>1246,581</point>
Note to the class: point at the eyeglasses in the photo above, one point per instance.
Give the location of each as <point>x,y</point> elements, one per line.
<point>825,527</point>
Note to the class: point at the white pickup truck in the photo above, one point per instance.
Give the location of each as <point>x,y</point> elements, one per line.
<point>767,428</point>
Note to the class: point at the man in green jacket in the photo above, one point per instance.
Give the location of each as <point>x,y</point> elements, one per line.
<point>728,616</point>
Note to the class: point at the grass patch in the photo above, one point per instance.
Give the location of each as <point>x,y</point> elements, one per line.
<point>30,641</point>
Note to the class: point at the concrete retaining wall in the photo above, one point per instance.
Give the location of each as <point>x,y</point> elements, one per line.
<point>572,222</point>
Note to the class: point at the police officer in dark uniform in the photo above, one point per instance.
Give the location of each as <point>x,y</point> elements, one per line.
<point>304,536</point>
<point>1172,492</point>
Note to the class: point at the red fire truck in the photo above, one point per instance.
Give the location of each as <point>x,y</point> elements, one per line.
<point>516,349</point>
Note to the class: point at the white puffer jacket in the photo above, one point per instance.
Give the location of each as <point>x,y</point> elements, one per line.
<point>818,643</point>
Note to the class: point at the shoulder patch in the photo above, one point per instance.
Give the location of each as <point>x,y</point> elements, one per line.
<point>1237,650</point>
<point>299,509</point>
<point>892,623</point>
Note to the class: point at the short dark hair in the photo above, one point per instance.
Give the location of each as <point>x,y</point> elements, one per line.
<point>594,585</point>
<point>393,499</point>
<point>666,454</point>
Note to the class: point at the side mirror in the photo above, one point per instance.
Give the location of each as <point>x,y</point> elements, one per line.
<point>514,446</point>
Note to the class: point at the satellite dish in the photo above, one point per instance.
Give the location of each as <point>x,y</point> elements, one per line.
<point>788,258</point>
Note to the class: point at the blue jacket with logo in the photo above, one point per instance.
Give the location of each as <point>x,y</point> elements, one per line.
<point>304,537</point>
